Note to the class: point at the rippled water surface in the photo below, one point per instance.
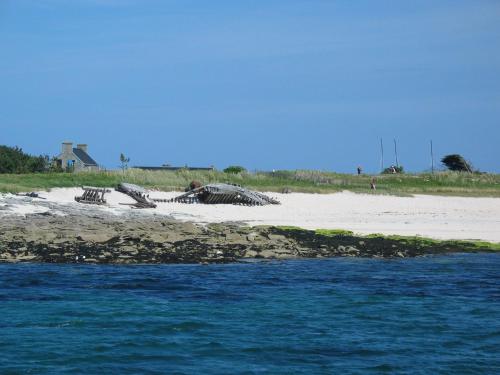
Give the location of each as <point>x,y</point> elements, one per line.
<point>426,315</point>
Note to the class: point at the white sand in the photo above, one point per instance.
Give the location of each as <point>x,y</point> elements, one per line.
<point>424,215</point>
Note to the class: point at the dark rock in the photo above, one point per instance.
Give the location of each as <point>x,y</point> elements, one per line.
<point>100,238</point>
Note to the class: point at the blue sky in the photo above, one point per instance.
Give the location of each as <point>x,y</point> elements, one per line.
<point>265,84</point>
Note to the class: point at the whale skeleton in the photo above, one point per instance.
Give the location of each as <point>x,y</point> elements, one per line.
<point>222,194</point>
<point>208,194</point>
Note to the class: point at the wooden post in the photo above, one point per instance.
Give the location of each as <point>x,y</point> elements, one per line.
<point>381,155</point>
<point>432,158</point>
<point>396,153</point>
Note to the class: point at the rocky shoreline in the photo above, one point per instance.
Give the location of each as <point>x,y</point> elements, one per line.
<point>87,236</point>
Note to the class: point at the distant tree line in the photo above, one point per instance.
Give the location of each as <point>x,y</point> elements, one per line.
<point>14,160</point>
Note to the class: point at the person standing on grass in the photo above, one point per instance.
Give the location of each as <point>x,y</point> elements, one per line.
<point>360,170</point>
<point>373,183</point>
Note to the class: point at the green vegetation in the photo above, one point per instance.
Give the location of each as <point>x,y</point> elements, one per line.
<point>457,162</point>
<point>444,183</point>
<point>429,242</point>
<point>413,241</point>
<point>124,161</point>
<point>287,227</point>
<point>334,232</point>
<point>393,169</point>
<point>14,160</point>
<point>235,169</point>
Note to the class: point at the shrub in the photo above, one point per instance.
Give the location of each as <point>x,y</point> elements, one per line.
<point>393,169</point>
<point>234,169</point>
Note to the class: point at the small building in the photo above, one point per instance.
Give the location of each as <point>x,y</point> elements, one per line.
<point>76,159</point>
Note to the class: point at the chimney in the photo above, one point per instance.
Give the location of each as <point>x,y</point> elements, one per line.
<point>67,147</point>
<point>82,146</point>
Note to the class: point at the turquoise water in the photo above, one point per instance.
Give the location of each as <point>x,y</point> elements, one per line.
<point>417,316</point>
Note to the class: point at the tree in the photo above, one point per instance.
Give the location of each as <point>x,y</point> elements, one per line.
<point>14,160</point>
<point>124,161</point>
<point>455,162</point>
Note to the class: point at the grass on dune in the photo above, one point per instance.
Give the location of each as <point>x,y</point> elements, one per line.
<point>444,183</point>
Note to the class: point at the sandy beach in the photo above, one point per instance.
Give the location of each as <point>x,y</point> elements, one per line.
<point>423,215</point>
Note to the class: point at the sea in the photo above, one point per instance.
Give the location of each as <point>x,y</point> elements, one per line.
<point>427,315</point>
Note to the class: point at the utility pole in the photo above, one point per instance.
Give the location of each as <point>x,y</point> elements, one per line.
<point>432,158</point>
<point>396,153</point>
<point>381,155</point>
